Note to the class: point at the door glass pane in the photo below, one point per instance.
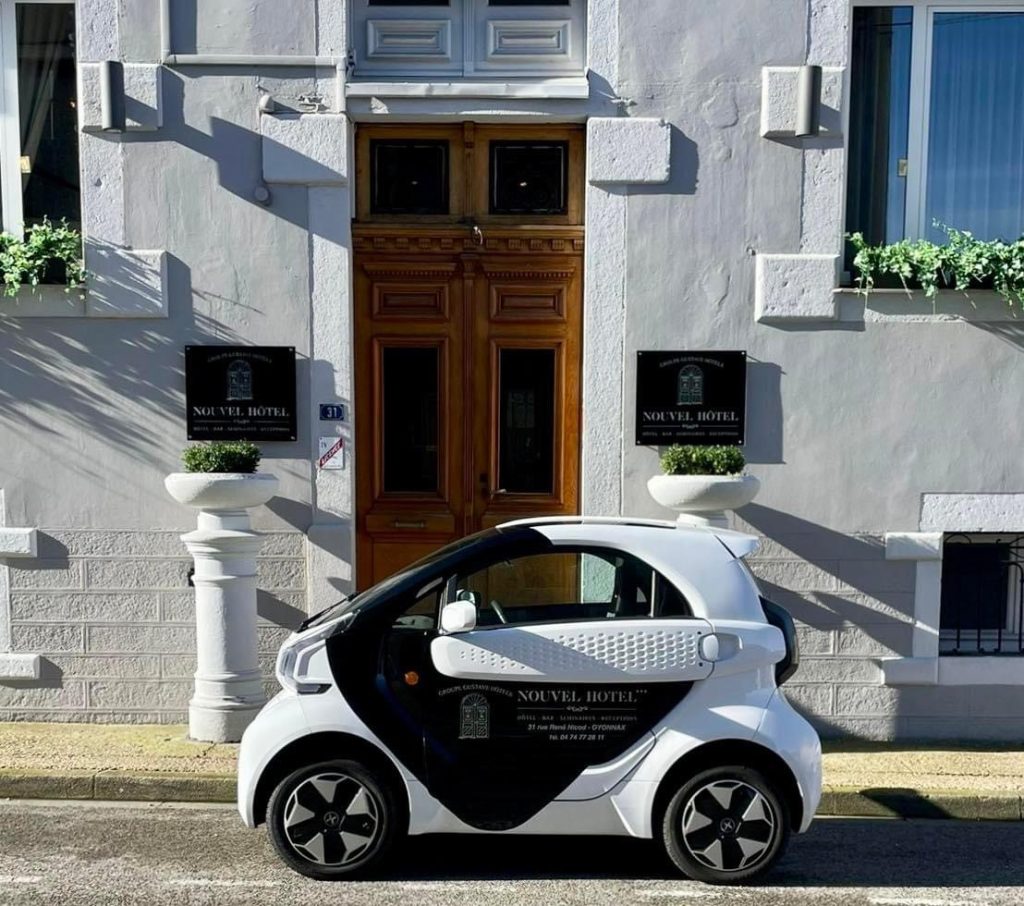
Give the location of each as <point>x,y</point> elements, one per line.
<point>48,118</point>
<point>975,177</point>
<point>528,177</point>
<point>879,122</point>
<point>411,417</point>
<point>408,176</point>
<point>526,427</point>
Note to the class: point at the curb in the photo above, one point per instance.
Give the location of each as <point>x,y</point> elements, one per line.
<point>141,786</point>
<point>127,786</point>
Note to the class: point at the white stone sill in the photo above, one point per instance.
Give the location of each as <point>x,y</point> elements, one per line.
<point>19,666</point>
<point>57,301</point>
<point>953,671</point>
<point>913,306</point>
<point>50,301</point>
<point>17,542</point>
<point>554,88</point>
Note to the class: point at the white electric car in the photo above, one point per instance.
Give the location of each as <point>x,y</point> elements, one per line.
<point>550,676</point>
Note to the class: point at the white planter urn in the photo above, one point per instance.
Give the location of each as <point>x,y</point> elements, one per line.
<point>702,500</point>
<point>229,689</point>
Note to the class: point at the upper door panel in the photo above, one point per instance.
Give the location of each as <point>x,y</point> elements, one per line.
<point>628,651</point>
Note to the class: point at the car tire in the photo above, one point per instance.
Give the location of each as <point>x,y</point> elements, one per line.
<point>726,825</point>
<point>333,820</point>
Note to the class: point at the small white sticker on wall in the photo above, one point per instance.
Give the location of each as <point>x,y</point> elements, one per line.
<point>332,453</point>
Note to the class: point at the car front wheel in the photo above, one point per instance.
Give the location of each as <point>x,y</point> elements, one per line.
<point>726,825</point>
<point>332,821</point>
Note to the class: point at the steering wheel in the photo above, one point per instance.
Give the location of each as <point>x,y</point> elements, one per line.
<point>496,607</point>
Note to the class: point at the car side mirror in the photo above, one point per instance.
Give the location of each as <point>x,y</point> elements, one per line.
<point>458,616</point>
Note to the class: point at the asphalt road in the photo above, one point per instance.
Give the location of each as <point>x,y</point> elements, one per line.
<point>71,853</point>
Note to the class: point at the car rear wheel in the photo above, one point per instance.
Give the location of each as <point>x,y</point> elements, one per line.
<point>333,820</point>
<point>726,825</point>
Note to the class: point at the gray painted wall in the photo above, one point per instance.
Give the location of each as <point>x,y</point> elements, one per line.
<point>849,423</point>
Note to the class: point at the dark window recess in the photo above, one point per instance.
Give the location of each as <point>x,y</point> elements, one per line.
<point>411,416</point>
<point>49,120</point>
<point>879,123</point>
<point>408,176</point>
<point>529,177</point>
<point>526,428</point>
<point>982,596</point>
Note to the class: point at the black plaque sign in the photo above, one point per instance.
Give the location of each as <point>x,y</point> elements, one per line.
<point>240,392</point>
<point>691,397</point>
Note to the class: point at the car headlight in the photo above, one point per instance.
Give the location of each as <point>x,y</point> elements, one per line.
<point>302,664</point>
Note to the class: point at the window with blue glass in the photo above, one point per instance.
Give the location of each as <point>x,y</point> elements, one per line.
<point>936,121</point>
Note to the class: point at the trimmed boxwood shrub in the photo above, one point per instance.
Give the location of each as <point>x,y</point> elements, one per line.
<point>222,456</point>
<point>688,460</point>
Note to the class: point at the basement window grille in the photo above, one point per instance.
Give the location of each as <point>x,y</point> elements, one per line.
<point>982,595</point>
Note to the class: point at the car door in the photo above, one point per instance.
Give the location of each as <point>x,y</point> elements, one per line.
<point>576,654</point>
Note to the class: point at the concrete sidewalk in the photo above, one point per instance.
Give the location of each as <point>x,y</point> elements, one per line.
<point>158,763</point>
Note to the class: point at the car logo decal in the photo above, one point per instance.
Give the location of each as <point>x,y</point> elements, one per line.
<point>475,717</point>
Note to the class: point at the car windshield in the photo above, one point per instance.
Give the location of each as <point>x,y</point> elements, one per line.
<point>385,586</point>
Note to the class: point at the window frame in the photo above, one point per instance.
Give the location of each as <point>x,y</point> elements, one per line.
<point>603,552</point>
<point>467,40</point>
<point>921,40</point>
<point>11,191</point>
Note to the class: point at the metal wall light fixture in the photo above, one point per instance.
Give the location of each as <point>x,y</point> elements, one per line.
<point>111,96</point>
<point>808,102</point>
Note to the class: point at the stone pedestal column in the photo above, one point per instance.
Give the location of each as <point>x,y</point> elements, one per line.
<point>229,690</point>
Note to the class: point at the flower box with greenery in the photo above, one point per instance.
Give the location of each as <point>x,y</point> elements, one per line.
<point>221,475</point>
<point>701,483</point>
<point>48,254</point>
<point>961,264</point>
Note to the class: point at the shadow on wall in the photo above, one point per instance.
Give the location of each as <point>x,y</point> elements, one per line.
<point>236,151</point>
<point>764,413</point>
<point>95,375</point>
<point>851,581</point>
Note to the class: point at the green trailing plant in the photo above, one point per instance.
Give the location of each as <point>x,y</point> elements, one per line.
<point>961,263</point>
<point>222,456</point>
<point>48,253</point>
<point>688,460</point>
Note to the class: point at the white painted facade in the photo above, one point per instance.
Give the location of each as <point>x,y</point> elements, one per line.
<point>222,214</point>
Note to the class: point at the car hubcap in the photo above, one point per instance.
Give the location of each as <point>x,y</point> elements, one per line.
<point>728,825</point>
<point>331,819</point>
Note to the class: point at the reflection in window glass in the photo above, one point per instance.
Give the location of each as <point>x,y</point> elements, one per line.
<point>48,118</point>
<point>411,416</point>
<point>408,176</point>
<point>529,177</point>
<point>975,178</point>
<point>879,117</point>
<point>526,429</point>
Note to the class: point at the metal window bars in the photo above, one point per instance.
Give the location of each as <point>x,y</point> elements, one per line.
<point>982,610</point>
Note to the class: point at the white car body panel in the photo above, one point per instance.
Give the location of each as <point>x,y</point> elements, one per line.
<point>602,651</point>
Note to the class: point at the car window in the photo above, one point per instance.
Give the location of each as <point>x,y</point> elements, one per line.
<point>565,585</point>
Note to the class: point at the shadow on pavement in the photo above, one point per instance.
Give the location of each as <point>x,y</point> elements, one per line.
<point>837,852</point>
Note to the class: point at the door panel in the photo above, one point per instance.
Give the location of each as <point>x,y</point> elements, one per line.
<point>599,652</point>
<point>467,384</point>
<point>409,352</point>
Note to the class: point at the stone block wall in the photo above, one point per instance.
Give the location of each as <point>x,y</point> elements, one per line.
<point>113,617</point>
<point>853,607</point>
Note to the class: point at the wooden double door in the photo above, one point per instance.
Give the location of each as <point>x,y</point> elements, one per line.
<point>467,364</point>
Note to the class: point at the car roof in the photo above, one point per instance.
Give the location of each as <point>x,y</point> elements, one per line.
<point>739,544</point>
